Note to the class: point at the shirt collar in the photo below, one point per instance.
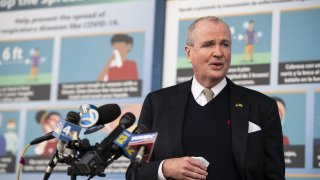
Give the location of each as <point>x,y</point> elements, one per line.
<point>197,88</point>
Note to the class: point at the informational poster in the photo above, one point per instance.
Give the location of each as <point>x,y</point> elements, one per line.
<point>108,66</point>
<point>292,113</point>
<point>316,131</point>
<point>274,50</point>
<point>25,70</point>
<point>299,64</point>
<point>58,55</point>
<point>250,63</point>
<point>9,140</point>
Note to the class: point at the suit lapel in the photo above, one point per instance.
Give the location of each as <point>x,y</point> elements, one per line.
<point>239,124</point>
<point>178,106</point>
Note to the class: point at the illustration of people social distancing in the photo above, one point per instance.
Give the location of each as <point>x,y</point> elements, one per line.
<point>118,67</point>
<point>250,39</point>
<point>11,137</point>
<point>35,62</point>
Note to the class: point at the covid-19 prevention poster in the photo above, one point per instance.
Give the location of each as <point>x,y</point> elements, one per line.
<point>58,55</point>
<point>275,50</point>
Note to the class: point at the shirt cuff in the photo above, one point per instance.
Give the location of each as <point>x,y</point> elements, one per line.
<point>160,174</point>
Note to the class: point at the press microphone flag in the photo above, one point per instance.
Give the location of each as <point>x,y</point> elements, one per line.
<point>72,117</point>
<point>130,143</point>
<point>66,131</point>
<point>89,115</point>
<point>146,140</point>
<point>122,141</point>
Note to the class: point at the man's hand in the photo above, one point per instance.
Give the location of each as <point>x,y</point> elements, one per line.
<point>184,168</point>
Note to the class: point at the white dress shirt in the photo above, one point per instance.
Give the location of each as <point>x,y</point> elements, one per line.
<point>197,92</point>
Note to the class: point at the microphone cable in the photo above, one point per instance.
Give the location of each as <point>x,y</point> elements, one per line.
<point>21,160</point>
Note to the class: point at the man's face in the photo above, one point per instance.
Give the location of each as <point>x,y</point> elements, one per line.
<point>211,54</point>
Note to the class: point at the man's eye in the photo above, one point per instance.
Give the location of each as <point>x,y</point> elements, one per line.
<point>207,45</point>
<point>225,44</point>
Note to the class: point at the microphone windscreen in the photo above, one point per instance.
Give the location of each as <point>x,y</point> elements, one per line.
<point>73,117</point>
<point>108,113</point>
<point>127,120</point>
<point>140,129</point>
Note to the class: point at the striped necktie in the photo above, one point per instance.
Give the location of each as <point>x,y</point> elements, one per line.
<point>208,93</point>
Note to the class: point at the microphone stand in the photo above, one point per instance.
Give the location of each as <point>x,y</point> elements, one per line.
<point>137,163</point>
<point>52,163</point>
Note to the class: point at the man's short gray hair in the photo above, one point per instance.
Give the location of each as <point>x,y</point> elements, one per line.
<point>190,33</point>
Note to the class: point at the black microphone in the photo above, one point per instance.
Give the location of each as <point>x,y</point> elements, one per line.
<point>107,113</point>
<point>45,137</point>
<point>94,162</point>
<point>141,151</point>
<point>126,121</point>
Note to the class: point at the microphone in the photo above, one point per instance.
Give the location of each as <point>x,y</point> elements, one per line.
<point>72,117</point>
<point>45,137</point>
<point>89,115</point>
<point>107,113</point>
<point>64,131</point>
<point>143,143</point>
<point>68,129</point>
<point>125,137</point>
<point>94,162</point>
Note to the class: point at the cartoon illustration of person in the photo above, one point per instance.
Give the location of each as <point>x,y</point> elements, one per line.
<point>48,122</point>
<point>118,67</point>
<point>282,111</point>
<point>250,39</point>
<point>35,62</point>
<point>11,137</point>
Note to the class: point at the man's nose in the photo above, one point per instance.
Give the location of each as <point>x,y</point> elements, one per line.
<point>216,52</point>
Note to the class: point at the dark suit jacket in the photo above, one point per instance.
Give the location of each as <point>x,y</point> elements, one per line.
<point>258,155</point>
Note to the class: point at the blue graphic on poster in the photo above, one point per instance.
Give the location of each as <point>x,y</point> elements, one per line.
<point>292,113</point>
<point>108,66</point>
<point>316,130</point>
<point>299,55</point>
<point>9,140</point>
<point>25,70</point>
<point>251,49</point>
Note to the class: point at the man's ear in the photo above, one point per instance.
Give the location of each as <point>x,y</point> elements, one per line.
<point>187,49</point>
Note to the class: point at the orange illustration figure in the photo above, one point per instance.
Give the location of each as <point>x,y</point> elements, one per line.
<point>250,39</point>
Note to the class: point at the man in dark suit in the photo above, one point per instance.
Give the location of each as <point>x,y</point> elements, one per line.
<point>237,130</point>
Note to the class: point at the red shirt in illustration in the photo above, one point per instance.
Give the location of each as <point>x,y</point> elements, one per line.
<point>128,71</point>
